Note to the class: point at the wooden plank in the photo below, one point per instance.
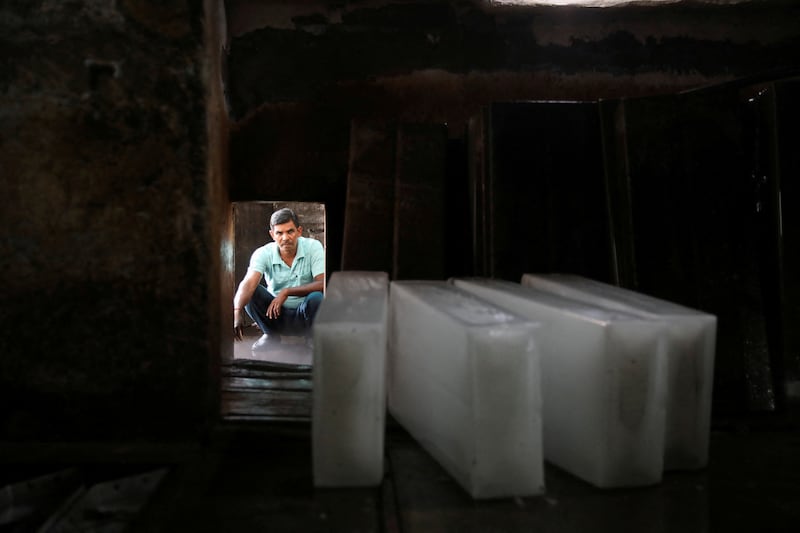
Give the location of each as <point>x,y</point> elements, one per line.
<point>269,366</point>
<point>369,206</point>
<point>777,193</point>
<point>244,384</point>
<point>419,222</point>
<point>266,403</point>
<point>479,158</point>
<point>247,420</point>
<point>234,371</point>
<point>620,216</point>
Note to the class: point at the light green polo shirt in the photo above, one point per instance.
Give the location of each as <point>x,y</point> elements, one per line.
<point>308,263</point>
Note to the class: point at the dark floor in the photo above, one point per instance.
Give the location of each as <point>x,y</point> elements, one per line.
<point>254,474</point>
<point>258,478</point>
<point>262,482</point>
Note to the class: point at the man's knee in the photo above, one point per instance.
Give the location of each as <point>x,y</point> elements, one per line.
<point>259,301</point>
<point>311,304</point>
<point>315,297</point>
<point>250,310</point>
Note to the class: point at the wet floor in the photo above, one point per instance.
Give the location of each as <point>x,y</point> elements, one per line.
<point>292,350</point>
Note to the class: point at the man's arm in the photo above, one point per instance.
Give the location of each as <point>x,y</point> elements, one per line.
<point>242,297</point>
<point>274,309</point>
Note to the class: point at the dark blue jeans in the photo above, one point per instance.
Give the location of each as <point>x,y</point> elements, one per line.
<point>291,321</point>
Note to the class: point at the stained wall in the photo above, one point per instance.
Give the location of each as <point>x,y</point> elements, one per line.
<point>113,211</point>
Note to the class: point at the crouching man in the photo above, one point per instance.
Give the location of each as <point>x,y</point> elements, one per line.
<point>294,269</point>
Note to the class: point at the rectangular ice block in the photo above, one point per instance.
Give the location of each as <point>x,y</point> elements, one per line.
<point>691,343</point>
<point>464,381</point>
<point>603,384</point>
<point>349,379</point>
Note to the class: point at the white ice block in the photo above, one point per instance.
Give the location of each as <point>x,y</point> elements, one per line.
<point>691,346</point>
<point>349,379</point>
<point>603,384</point>
<point>464,381</point>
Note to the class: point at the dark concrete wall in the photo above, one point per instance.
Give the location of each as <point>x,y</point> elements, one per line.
<point>109,231</point>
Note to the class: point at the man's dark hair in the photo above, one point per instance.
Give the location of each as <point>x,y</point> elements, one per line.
<point>282,216</point>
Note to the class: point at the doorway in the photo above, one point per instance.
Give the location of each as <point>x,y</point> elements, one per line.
<point>272,385</point>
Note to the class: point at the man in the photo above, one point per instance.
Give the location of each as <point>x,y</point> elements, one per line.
<point>294,269</point>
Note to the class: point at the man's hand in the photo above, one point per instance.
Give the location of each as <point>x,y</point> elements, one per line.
<point>274,309</point>
<point>238,325</point>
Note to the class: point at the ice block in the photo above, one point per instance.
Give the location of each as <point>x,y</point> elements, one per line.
<point>603,384</point>
<point>691,343</point>
<point>349,379</point>
<point>464,381</point>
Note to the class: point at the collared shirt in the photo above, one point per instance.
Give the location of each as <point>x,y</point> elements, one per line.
<point>308,263</point>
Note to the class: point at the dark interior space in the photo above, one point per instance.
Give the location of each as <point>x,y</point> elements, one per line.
<point>650,145</point>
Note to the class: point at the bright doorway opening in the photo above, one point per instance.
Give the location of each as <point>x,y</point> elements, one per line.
<point>272,385</point>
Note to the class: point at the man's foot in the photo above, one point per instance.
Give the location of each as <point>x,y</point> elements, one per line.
<point>265,342</point>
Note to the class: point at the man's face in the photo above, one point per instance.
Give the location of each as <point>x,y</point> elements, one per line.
<point>286,236</point>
